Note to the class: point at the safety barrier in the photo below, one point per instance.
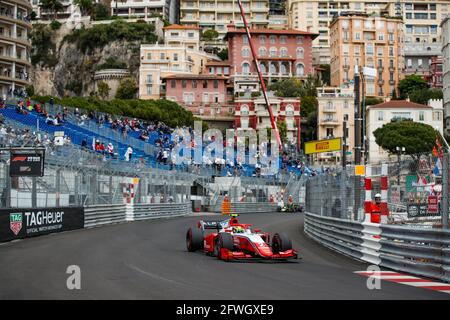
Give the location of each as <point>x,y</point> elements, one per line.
<point>253,207</point>
<point>106,214</point>
<point>419,251</point>
<point>160,210</point>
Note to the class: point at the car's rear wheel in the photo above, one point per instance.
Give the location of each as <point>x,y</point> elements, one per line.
<point>223,240</point>
<point>194,239</point>
<point>281,242</point>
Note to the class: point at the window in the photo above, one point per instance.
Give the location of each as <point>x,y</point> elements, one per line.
<point>283,39</point>
<point>357,36</point>
<point>194,84</point>
<point>345,104</point>
<point>216,84</point>
<point>262,39</point>
<point>300,53</point>
<point>409,63</point>
<point>381,36</point>
<point>262,52</point>
<point>421,116</point>
<point>345,117</point>
<point>436,116</point>
<point>391,51</point>
<point>205,98</point>
<point>357,50</point>
<point>149,78</point>
<point>409,29</point>
<point>183,83</point>
<point>300,69</point>
<point>299,39</point>
<point>190,34</point>
<point>368,24</point>
<point>173,83</point>
<point>273,39</point>
<point>149,90</point>
<point>245,52</point>
<point>283,52</point>
<point>330,132</point>
<point>419,63</point>
<point>380,115</point>
<point>262,68</point>
<point>205,84</point>
<point>357,23</point>
<point>175,57</point>
<point>369,48</point>
<point>226,70</point>
<point>380,51</point>
<point>245,39</point>
<point>174,34</point>
<point>162,56</point>
<point>245,68</point>
<point>273,52</point>
<point>149,56</point>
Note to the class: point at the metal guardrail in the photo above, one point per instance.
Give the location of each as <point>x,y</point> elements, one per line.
<point>104,214</point>
<point>160,210</point>
<point>419,251</point>
<point>253,207</point>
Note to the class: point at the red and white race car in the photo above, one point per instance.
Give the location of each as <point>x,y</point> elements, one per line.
<point>236,241</point>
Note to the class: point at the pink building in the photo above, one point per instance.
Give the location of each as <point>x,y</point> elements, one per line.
<point>205,95</point>
<point>282,54</point>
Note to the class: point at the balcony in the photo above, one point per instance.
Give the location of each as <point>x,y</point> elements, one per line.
<point>380,82</point>
<point>391,68</point>
<point>392,82</point>
<point>330,121</point>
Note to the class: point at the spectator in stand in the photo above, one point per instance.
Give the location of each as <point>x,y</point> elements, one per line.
<point>128,154</point>
<point>84,144</point>
<point>110,149</point>
<point>102,148</point>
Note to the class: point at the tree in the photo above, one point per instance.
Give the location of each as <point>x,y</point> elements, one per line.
<point>282,130</point>
<point>415,137</point>
<point>410,84</point>
<point>423,95</point>
<point>210,34</point>
<point>100,11</point>
<point>53,6</point>
<point>308,105</point>
<point>372,101</point>
<point>288,88</point>
<point>103,90</point>
<point>86,6</point>
<point>326,74</point>
<point>127,89</point>
<point>223,54</point>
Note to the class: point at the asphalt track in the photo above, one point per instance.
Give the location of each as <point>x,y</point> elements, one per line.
<point>148,260</point>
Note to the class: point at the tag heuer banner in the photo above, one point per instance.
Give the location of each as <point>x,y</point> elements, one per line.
<point>22,223</point>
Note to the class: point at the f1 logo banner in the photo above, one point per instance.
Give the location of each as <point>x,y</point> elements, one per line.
<point>26,165</point>
<point>23,223</point>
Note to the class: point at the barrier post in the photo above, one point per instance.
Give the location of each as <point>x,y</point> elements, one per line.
<point>368,194</point>
<point>384,193</point>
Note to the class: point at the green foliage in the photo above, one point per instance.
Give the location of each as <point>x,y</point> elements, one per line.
<point>282,130</point>
<point>294,87</point>
<point>223,54</point>
<point>163,110</point>
<point>53,6</point>
<point>256,94</point>
<point>309,132</point>
<point>100,12</point>
<point>127,89</point>
<point>308,104</point>
<point>210,34</point>
<point>415,137</point>
<point>99,36</point>
<point>30,90</point>
<point>112,63</point>
<point>326,74</point>
<point>423,95</point>
<point>75,86</point>
<point>86,6</point>
<point>55,25</point>
<point>43,49</point>
<point>33,15</point>
<point>103,89</point>
<point>372,101</point>
<point>410,84</point>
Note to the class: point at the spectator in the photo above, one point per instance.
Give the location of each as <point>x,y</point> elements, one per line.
<point>128,154</point>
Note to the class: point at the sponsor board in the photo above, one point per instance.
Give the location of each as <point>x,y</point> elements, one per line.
<point>415,210</point>
<point>323,146</point>
<point>26,164</point>
<point>23,223</point>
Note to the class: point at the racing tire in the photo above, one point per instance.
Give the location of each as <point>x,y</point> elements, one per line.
<point>281,242</point>
<point>223,240</point>
<point>194,239</point>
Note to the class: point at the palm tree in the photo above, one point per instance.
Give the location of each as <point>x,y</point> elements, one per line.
<point>85,6</point>
<point>53,6</point>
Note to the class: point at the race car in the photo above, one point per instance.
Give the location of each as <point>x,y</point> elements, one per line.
<point>232,240</point>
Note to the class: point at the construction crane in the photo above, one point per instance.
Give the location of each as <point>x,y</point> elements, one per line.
<point>261,80</point>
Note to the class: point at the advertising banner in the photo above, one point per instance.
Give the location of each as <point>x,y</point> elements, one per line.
<point>416,210</point>
<point>323,146</point>
<point>19,223</point>
<point>26,164</point>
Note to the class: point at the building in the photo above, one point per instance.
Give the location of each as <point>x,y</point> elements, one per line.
<point>205,95</point>
<point>446,71</point>
<point>435,79</point>
<point>421,19</point>
<point>282,54</point>
<point>359,40</point>
<point>69,10</point>
<point>15,46</point>
<point>217,14</point>
<point>278,17</point>
<point>418,58</point>
<point>179,54</point>
<point>145,9</point>
<point>112,78</point>
<point>380,114</point>
<point>251,112</point>
<point>336,105</point>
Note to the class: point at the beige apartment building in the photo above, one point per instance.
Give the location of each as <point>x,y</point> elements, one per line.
<point>365,41</point>
<point>179,54</point>
<point>217,14</point>
<point>336,105</point>
<point>421,18</point>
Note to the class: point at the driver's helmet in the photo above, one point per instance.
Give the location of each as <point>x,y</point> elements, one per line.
<point>238,229</point>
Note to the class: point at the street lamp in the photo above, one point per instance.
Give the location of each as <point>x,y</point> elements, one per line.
<point>400,151</point>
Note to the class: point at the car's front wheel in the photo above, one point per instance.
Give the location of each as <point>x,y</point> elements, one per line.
<point>223,240</point>
<point>194,239</point>
<point>281,242</point>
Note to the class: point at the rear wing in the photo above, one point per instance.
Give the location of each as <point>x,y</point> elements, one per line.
<point>213,225</point>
